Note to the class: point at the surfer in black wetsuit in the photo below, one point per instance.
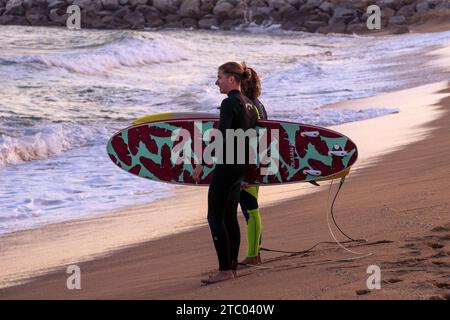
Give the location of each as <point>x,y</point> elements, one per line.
<point>236,112</point>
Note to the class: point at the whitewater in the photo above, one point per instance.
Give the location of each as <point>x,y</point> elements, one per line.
<point>63,93</point>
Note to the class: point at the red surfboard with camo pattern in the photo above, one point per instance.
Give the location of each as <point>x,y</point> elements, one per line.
<point>284,152</point>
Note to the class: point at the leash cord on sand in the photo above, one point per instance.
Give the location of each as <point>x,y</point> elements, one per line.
<point>335,223</point>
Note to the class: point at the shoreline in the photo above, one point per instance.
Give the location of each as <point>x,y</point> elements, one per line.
<point>99,239</point>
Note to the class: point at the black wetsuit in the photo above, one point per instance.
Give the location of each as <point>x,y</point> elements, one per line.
<point>236,112</point>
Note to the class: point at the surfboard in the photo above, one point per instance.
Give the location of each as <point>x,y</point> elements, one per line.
<point>301,152</point>
<point>174,115</point>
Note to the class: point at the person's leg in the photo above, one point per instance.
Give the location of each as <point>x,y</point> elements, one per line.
<point>232,224</point>
<point>249,203</point>
<point>223,199</point>
<point>217,197</point>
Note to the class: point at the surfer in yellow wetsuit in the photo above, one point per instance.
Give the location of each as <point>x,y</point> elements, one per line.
<point>249,195</point>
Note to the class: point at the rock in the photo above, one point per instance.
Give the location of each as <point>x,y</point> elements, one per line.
<point>293,25</point>
<point>43,3</point>
<point>264,10</point>
<point>293,21</point>
<point>406,11</point>
<point>357,28</point>
<point>238,13</point>
<point>172,18</point>
<point>165,6</point>
<point>6,19</point>
<point>83,4</point>
<point>135,3</point>
<point>393,4</point>
<point>122,12</point>
<point>114,22</point>
<point>338,27</point>
<point>276,4</point>
<point>145,9</point>
<point>275,16</point>
<point>222,9</point>
<point>306,8</point>
<point>123,2</point>
<point>341,14</point>
<point>135,19</point>
<point>189,23</point>
<point>312,26</point>
<point>400,30</point>
<point>105,13</point>
<point>208,22</point>
<point>27,4</point>
<point>227,24</point>
<point>387,13</point>
<point>153,21</point>
<point>397,20</point>
<point>174,25</point>
<point>207,5</point>
<point>257,3</point>
<point>89,19</point>
<point>37,17</point>
<point>261,14</point>
<point>422,7</point>
<point>57,5</point>
<point>327,7</point>
<point>20,21</point>
<point>14,8</point>
<point>296,3</point>
<point>189,8</point>
<point>111,4</point>
<point>287,10</point>
<point>234,3</point>
<point>58,16</point>
<point>314,3</point>
<point>434,3</point>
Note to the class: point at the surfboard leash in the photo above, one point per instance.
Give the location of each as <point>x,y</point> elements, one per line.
<point>335,223</point>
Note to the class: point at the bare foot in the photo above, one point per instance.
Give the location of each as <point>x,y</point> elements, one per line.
<point>251,260</point>
<point>219,276</point>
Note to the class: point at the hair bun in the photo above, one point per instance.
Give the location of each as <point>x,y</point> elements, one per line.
<point>247,74</point>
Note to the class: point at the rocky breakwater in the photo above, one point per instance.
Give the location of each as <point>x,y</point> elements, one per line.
<point>322,16</point>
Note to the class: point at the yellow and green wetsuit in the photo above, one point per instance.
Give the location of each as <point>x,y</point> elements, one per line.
<point>249,204</point>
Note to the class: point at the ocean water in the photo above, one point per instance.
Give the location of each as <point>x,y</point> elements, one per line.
<point>63,93</point>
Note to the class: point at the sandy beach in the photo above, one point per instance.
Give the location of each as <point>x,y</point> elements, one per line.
<point>396,198</point>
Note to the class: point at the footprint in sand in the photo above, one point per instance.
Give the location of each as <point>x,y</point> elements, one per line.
<point>436,245</point>
<point>392,280</point>
<point>362,292</point>
<point>443,285</point>
<point>441,264</point>
<point>444,297</point>
<point>408,246</point>
<point>441,228</point>
<point>440,254</point>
